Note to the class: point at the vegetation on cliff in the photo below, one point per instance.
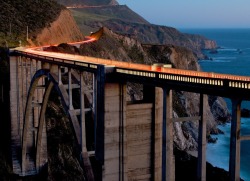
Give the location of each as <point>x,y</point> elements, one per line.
<point>18,15</point>
<point>77,3</point>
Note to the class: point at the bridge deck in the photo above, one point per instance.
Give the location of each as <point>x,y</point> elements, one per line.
<point>211,83</point>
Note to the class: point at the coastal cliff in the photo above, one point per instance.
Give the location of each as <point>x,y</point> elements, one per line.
<point>160,35</point>
<point>121,19</point>
<point>119,47</point>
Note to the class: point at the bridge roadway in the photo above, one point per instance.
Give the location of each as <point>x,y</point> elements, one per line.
<point>224,85</point>
<point>237,88</point>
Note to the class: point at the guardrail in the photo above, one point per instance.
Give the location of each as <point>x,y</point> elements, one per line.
<point>155,71</point>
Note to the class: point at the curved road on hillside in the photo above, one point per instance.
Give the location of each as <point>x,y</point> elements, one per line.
<point>132,66</point>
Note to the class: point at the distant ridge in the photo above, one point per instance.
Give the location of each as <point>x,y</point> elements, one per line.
<point>121,19</point>
<point>91,15</point>
<point>73,3</point>
<point>105,13</point>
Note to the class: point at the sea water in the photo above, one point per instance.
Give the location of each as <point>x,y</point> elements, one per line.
<point>233,57</point>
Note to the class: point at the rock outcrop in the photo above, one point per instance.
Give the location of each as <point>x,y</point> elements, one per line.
<point>62,30</point>
<point>159,35</point>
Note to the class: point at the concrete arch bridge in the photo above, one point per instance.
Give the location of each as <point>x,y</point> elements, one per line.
<point>125,132</point>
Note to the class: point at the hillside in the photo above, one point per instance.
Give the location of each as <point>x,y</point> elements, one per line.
<point>62,30</point>
<point>123,20</point>
<point>155,34</point>
<point>17,15</point>
<point>48,23</point>
<point>90,19</point>
<point>75,3</point>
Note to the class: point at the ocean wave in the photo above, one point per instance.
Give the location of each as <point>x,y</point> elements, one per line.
<point>226,58</point>
<point>216,60</point>
<point>228,49</point>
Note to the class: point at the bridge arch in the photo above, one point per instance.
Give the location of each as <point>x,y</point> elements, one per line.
<point>52,82</point>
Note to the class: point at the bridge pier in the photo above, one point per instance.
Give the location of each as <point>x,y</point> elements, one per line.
<point>16,110</point>
<point>234,162</point>
<point>132,135</point>
<point>202,141</point>
<point>168,166</point>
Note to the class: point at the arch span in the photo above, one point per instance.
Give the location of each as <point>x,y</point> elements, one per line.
<point>33,161</point>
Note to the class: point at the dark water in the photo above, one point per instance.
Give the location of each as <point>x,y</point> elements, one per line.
<point>233,57</point>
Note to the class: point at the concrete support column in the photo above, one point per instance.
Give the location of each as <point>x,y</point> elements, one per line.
<point>149,96</point>
<point>70,89</point>
<point>22,86</point>
<point>234,162</point>
<point>38,65</point>
<point>168,165</point>
<point>31,69</point>
<point>26,84</point>
<point>59,75</point>
<point>82,113</point>
<point>94,93</point>
<point>54,69</point>
<point>15,112</point>
<point>99,123</point>
<point>158,134</point>
<point>122,133</point>
<point>85,156</point>
<point>115,134</point>
<point>45,65</point>
<point>202,142</point>
<point>18,98</point>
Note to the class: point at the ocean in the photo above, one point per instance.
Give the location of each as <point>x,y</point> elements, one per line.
<point>233,57</point>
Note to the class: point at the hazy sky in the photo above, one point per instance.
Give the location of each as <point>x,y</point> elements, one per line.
<point>193,13</point>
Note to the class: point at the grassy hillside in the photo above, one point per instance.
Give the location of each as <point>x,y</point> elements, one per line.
<point>17,15</point>
<point>84,2</point>
<point>87,17</point>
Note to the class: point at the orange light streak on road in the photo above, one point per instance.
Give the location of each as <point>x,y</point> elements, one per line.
<point>127,65</point>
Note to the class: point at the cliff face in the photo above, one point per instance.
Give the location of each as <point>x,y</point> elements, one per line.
<point>119,47</point>
<point>63,29</point>
<point>154,34</point>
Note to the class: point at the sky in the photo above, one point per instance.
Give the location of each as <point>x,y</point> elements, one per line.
<point>193,13</point>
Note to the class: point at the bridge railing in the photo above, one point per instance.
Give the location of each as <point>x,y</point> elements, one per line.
<point>141,70</point>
